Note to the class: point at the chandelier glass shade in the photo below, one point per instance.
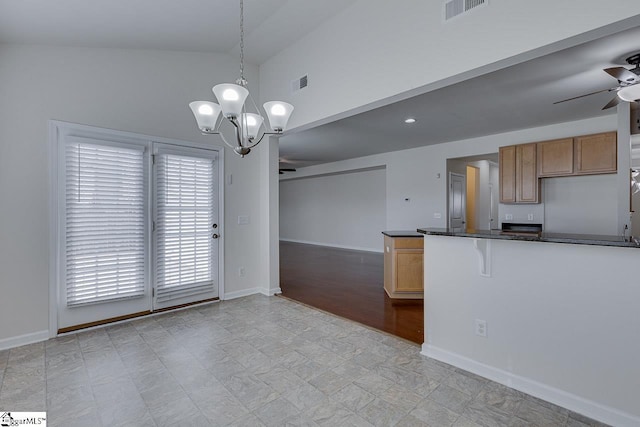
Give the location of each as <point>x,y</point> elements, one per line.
<point>232,106</point>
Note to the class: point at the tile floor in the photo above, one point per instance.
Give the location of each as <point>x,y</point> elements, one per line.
<point>254,361</point>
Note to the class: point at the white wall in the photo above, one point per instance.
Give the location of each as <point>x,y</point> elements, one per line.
<point>562,320</point>
<point>131,90</point>
<point>344,210</point>
<point>581,204</point>
<point>378,49</point>
<point>414,173</point>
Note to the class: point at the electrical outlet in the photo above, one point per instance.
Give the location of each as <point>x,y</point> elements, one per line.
<point>530,217</point>
<point>241,272</point>
<point>243,219</point>
<point>508,217</point>
<point>481,328</point>
<point>437,215</point>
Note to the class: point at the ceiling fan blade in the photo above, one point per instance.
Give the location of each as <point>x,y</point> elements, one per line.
<point>615,101</point>
<point>622,74</point>
<point>582,96</point>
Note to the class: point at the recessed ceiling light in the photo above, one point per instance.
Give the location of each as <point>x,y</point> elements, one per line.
<point>409,120</point>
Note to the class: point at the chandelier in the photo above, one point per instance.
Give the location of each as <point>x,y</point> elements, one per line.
<point>232,100</point>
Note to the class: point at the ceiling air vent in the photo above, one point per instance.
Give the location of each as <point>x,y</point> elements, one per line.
<point>299,84</point>
<point>453,8</point>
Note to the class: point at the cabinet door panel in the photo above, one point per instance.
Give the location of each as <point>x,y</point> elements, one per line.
<point>409,272</point>
<point>555,158</point>
<point>596,154</point>
<point>507,171</point>
<point>527,188</point>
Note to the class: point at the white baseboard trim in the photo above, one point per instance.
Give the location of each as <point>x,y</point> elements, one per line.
<point>252,291</point>
<point>242,293</point>
<point>25,339</point>
<point>270,292</point>
<point>559,397</point>
<point>331,245</point>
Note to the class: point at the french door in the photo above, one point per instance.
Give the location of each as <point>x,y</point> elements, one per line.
<point>137,226</point>
<point>185,225</point>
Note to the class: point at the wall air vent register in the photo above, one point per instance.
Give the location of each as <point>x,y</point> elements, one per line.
<point>299,84</point>
<point>453,8</point>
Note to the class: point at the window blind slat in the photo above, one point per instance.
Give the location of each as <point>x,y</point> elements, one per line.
<point>184,209</point>
<point>105,223</point>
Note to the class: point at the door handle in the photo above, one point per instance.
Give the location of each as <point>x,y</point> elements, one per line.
<point>214,236</point>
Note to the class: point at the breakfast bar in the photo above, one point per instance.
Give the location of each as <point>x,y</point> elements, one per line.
<point>553,315</point>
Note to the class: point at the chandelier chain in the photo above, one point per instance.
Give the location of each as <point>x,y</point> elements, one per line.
<point>242,40</point>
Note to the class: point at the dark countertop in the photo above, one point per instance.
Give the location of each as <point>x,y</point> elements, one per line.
<point>403,233</point>
<point>576,239</point>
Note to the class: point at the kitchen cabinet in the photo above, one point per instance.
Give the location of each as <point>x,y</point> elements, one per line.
<point>595,154</point>
<point>555,158</point>
<point>582,155</point>
<point>403,267</point>
<point>507,171</point>
<point>518,174</point>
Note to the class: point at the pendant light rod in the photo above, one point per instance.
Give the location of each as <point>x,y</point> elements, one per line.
<point>232,107</point>
<point>242,80</point>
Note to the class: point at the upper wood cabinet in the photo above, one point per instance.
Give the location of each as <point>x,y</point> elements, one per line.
<point>555,158</point>
<point>507,172</point>
<point>596,154</point>
<point>527,188</point>
<point>518,174</point>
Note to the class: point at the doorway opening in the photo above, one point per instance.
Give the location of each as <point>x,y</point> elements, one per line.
<point>472,196</point>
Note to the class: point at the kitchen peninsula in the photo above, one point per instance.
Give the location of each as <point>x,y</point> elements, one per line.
<point>553,315</point>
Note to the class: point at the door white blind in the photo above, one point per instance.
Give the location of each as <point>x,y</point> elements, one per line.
<point>184,220</point>
<point>105,223</point>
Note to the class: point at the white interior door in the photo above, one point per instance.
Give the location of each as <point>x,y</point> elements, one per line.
<point>186,227</point>
<point>103,229</point>
<point>457,200</point>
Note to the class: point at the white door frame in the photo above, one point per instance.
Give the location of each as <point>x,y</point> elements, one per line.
<point>56,130</point>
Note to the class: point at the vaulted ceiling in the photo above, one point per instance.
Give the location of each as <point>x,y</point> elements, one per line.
<point>517,97</point>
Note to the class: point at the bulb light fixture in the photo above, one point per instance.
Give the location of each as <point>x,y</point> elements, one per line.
<point>630,93</point>
<point>232,106</point>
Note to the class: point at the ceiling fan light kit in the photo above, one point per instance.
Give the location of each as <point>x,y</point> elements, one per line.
<point>630,93</point>
<point>232,106</point>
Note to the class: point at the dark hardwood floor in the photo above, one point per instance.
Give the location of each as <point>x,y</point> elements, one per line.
<point>348,283</point>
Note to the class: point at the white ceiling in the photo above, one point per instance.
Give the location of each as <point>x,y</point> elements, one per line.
<point>514,98</point>
<point>187,25</point>
<point>517,97</point>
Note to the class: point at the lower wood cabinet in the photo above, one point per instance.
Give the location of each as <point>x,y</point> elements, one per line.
<point>404,267</point>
